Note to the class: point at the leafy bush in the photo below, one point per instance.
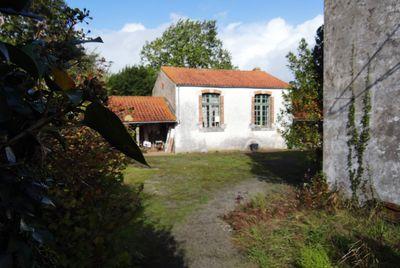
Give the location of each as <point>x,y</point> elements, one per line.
<point>38,95</point>
<point>92,202</point>
<point>304,100</point>
<point>314,257</point>
<point>317,194</point>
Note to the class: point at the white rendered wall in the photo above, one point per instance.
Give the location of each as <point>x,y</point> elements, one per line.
<point>237,133</point>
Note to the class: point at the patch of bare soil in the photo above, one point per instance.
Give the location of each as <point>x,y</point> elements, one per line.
<point>205,238</point>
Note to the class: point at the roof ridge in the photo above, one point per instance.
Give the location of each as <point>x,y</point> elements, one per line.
<point>214,69</point>
<point>185,76</point>
<point>133,96</point>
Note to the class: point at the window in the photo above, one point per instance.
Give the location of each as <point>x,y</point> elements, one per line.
<point>261,110</point>
<point>211,110</point>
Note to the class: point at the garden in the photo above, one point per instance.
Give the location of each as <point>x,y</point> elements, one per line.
<point>254,210</point>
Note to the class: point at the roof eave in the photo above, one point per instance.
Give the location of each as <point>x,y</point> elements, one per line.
<point>227,86</point>
<point>147,122</point>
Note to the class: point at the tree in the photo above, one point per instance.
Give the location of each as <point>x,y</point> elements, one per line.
<point>132,80</point>
<point>188,44</point>
<point>58,19</point>
<point>304,100</point>
<point>38,96</point>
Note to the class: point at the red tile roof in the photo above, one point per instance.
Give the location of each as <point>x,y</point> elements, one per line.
<point>222,78</point>
<point>141,109</point>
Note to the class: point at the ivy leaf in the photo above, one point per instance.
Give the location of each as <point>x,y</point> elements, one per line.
<point>20,58</point>
<point>75,96</point>
<point>15,101</point>
<point>62,79</point>
<point>25,227</point>
<point>16,5</point>
<point>91,40</point>
<point>46,201</point>
<point>4,51</point>
<point>51,84</point>
<point>42,236</point>
<point>33,51</point>
<point>111,128</point>
<point>10,155</point>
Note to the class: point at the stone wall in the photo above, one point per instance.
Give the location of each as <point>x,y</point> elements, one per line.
<point>362,42</point>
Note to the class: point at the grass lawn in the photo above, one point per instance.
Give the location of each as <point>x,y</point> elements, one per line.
<point>177,184</point>
<point>270,230</point>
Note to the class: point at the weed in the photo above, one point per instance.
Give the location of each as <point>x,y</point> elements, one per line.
<point>314,257</point>
<point>316,194</point>
<point>359,255</point>
<point>309,237</point>
<point>258,256</point>
<point>259,201</point>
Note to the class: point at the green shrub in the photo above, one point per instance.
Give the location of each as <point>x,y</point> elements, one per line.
<point>93,203</point>
<point>314,257</point>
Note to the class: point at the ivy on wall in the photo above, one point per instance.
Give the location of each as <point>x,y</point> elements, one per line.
<point>358,140</point>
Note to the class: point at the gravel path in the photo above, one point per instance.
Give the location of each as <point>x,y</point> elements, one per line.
<point>205,238</point>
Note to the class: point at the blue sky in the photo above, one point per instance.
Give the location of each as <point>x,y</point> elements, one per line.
<point>114,14</point>
<point>257,33</point>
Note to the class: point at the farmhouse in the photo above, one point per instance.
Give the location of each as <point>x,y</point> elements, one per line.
<point>200,110</point>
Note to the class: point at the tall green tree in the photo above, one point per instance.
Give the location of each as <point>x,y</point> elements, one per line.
<point>304,100</point>
<point>132,80</point>
<point>188,43</point>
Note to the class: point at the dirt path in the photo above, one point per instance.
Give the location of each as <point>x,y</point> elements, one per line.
<point>205,238</point>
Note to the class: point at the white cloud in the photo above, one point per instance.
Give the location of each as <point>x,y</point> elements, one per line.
<point>258,44</point>
<point>266,45</point>
<point>122,47</point>
<point>133,27</point>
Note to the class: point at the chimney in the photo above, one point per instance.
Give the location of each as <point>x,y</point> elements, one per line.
<point>257,69</point>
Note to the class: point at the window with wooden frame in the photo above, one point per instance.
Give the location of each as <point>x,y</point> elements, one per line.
<point>211,110</point>
<point>262,110</point>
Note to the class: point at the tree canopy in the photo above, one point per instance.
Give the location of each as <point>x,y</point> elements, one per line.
<point>188,43</point>
<point>132,80</point>
<point>305,97</point>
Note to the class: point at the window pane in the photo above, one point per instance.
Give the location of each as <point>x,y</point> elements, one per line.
<point>261,108</point>
<point>211,104</point>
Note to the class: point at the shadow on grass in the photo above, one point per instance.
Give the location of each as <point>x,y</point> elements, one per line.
<point>149,247</point>
<point>282,166</point>
<point>147,244</point>
<point>365,251</point>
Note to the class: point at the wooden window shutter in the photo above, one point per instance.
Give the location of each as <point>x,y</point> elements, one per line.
<point>201,110</point>
<point>222,108</point>
<point>253,116</point>
<point>271,112</point>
